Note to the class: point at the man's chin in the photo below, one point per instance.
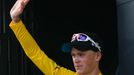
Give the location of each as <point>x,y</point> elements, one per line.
<point>79,72</point>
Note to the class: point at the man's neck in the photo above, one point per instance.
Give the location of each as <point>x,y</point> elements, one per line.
<point>95,71</point>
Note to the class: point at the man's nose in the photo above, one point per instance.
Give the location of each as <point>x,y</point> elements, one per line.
<point>76,59</point>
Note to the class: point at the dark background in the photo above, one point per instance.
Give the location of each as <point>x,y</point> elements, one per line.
<point>52,23</point>
<point>61,19</point>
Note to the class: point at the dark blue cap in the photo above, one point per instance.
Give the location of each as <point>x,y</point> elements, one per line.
<point>82,45</point>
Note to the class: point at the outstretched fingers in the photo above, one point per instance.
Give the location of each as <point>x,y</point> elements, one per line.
<point>18,8</point>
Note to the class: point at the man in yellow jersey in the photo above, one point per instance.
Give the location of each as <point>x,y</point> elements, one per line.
<point>85,51</point>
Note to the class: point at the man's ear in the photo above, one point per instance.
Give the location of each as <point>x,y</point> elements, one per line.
<point>98,56</point>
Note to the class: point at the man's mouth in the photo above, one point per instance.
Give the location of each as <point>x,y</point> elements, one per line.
<point>78,66</point>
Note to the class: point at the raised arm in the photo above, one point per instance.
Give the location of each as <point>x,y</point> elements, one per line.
<point>29,45</point>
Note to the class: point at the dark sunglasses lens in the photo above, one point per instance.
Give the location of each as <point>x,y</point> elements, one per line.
<point>82,37</point>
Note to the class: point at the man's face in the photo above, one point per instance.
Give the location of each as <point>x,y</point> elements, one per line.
<point>85,61</point>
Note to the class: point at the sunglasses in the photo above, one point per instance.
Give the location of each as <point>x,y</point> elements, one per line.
<point>83,37</point>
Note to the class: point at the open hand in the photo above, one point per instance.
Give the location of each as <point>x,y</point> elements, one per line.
<point>17,9</point>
